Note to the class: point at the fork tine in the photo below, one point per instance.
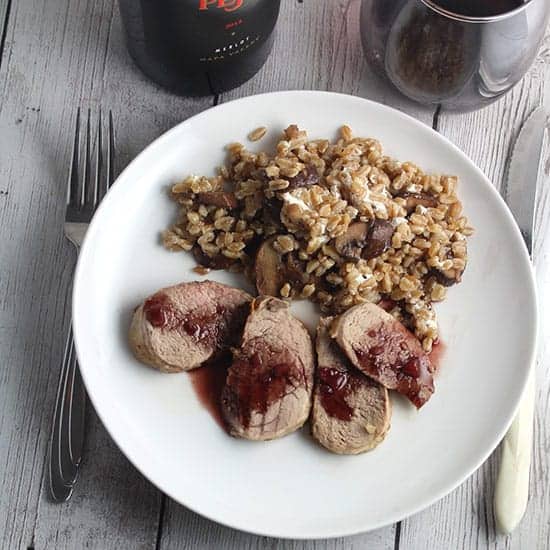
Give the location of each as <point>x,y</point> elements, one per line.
<point>86,171</point>
<point>110,151</point>
<point>98,192</point>
<point>72,183</point>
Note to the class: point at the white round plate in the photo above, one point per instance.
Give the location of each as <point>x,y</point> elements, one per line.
<point>292,487</point>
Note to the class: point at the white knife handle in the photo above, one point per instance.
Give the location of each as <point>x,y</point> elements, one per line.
<point>512,488</point>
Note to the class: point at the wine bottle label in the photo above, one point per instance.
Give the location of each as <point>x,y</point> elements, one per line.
<point>231,41</point>
<point>202,45</point>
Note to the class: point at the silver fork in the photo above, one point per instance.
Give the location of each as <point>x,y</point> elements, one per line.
<point>84,193</point>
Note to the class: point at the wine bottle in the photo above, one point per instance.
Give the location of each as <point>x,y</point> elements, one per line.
<point>199,47</point>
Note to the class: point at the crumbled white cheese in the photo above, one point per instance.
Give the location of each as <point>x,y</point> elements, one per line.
<point>379,207</point>
<point>376,205</point>
<point>431,323</point>
<point>414,188</point>
<point>292,199</point>
<point>398,221</point>
<point>361,278</point>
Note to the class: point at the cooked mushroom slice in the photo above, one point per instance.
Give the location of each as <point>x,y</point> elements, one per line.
<point>379,239</point>
<point>212,262</point>
<point>269,269</point>
<point>350,245</point>
<point>272,212</point>
<point>365,240</point>
<point>447,278</point>
<point>295,269</point>
<point>308,176</point>
<point>418,199</point>
<point>221,199</point>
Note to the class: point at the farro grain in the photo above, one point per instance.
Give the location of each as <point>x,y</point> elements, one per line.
<point>355,182</point>
<point>285,290</point>
<point>257,134</point>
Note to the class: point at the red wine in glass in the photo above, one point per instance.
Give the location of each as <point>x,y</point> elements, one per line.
<point>479,8</point>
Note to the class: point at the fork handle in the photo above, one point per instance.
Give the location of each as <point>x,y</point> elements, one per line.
<point>77,416</point>
<point>68,426</point>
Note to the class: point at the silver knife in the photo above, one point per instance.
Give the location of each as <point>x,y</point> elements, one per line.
<point>512,487</point>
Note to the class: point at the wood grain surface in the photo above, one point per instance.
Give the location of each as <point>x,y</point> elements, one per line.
<point>61,54</point>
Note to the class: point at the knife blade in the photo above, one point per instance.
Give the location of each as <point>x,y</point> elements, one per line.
<point>523,173</point>
<point>512,486</point>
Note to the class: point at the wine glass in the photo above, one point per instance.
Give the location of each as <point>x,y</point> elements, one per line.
<point>462,60</point>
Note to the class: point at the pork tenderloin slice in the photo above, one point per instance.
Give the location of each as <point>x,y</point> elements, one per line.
<point>351,412</point>
<point>382,348</point>
<point>270,381</point>
<point>180,327</point>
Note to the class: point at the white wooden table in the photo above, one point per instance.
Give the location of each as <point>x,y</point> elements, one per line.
<point>57,55</point>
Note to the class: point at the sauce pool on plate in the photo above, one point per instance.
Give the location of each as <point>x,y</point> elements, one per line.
<point>208,382</point>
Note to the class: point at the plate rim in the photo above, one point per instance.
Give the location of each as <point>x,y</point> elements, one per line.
<point>321,532</point>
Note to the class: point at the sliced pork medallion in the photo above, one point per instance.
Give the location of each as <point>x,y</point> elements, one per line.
<point>180,327</point>
<point>381,347</point>
<point>351,412</point>
<point>270,381</point>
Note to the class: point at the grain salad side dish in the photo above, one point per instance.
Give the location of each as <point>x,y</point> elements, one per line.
<point>339,223</point>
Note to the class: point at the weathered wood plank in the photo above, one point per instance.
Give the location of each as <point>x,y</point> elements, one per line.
<point>66,54</point>
<point>464,519</point>
<point>184,530</point>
